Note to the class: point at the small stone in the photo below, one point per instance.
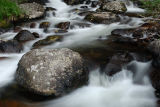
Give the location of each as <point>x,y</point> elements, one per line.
<point>17,29</point>
<point>44,25</point>
<point>63,25</point>
<point>33,25</point>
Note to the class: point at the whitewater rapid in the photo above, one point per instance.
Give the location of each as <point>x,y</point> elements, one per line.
<point>117,91</point>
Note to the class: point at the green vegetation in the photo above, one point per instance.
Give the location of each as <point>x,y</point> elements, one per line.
<point>8,8</point>
<point>152,6</point>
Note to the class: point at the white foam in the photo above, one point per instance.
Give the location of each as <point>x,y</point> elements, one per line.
<point>105,91</point>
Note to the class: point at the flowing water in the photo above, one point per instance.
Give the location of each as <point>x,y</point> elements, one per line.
<point>121,90</point>
<point>105,91</point>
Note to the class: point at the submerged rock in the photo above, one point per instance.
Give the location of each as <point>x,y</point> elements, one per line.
<point>102,17</point>
<point>117,62</point>
<point>47,41</point>
<point>10,46</point>
<point>60,31</point>
<point>51,71</point>
<point>114,6</point>
<point>80,25</point>
<point>32,10</point>
<point>24,35</point>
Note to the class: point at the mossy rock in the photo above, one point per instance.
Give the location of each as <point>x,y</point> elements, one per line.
<point>44,25</point>
<point>47,41</point>
<point>4,24</point>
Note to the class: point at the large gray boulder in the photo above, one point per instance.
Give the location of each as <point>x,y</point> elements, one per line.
<point>51,71</point>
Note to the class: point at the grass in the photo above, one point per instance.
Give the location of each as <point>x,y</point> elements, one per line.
<point>152,6</point>
<point>8,8</point>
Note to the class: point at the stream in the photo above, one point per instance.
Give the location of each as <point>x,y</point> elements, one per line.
<point>119,90</point>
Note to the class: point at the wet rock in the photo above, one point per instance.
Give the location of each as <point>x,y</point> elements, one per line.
<point>117,62</point>
<point>24,36</point>
<point>102,17</point>
<point>154,48</point>
<point>88,1</point>
<point>17,29</point>
<point>85,13</point>
<point>138,15</point>
<point>122,32</point>
<point>10,46</point>
<point>13,103</point>
<point>33,25</point>
<point>50,9</point>
<point>42,2</point>
<point>3,58</point>
<point>138,34</point>
<point>84,7</point>
<point>114,6</point>
<point>51,71</point>
<point>54,14</point>
<point>36,35</point>
<point>125,40</point>
<point>32,10</point>
<point>154,77</point>
<point>74,2</point>
<point>2,31</point>
<point>63,25</point>
<point>60,31</point>
<point>81,25</point>
<point>144,34</point>
<point>47,41</point>
<point>95,3</point>
<point>44,25</point>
